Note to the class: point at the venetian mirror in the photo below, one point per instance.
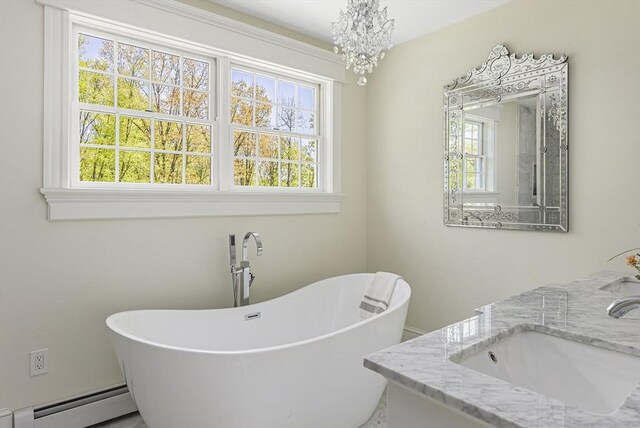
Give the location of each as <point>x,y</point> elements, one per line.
<point>506,144</point>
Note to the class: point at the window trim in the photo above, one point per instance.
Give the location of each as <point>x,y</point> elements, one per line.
<point>481,156</point>
<point>488,143</point>
<point>73,203</point>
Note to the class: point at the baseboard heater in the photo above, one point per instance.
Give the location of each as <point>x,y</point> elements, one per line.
<point>78,412</point>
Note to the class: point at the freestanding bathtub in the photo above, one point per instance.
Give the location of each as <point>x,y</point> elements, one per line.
<point>294,361</point>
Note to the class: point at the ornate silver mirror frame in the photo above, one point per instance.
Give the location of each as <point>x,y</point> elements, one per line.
<point>480,144</point>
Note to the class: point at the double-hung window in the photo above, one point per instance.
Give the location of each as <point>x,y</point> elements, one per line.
<point>144,114</point>
<point>274,130</point>
<point>474,156</point>
<point>147,124</point>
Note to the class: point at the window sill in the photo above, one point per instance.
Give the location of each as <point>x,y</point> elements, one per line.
<point>481,192</point>
<point>103,204</point>
<point>480,196</point>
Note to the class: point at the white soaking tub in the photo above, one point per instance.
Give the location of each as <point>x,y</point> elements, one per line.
<point>294,361</point>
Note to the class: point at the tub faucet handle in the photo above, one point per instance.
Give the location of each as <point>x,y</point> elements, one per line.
<point>232,250</point>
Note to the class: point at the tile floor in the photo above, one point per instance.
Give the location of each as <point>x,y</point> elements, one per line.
<point>378,419</point>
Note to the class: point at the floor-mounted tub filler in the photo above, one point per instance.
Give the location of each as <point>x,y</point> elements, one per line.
<point>294,361</point>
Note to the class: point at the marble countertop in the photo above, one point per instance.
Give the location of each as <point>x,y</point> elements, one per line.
<point>575,310</point>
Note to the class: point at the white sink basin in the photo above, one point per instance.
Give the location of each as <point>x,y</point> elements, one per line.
<point>626,286</point>
<point>592,378</point>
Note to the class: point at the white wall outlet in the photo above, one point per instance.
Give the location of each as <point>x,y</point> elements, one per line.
<point>38,362</point>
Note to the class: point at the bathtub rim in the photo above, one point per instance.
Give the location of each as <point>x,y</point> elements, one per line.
<point>401,282</point>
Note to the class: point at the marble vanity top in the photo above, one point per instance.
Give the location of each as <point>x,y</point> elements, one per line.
<point>574,310</point>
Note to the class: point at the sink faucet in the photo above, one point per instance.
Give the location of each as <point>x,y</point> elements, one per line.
<point>242,277</point>
<point>621,306</point>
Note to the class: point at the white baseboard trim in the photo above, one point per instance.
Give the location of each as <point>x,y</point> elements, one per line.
<point>6,418</point>
<point>410,332</point>
<point>414,330</point>
<point>79,412</point>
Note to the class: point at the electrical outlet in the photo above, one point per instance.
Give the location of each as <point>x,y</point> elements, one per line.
<point>39,362</point>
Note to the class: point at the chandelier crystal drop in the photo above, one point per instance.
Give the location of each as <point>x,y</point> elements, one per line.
<point>362,34</point>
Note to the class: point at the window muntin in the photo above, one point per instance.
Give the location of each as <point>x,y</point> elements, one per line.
<point>144,114</point>
<point>275,134</point>
<point>474,156</point>
<point>70,199</point>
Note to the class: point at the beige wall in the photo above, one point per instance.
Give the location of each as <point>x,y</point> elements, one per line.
<point>59,281</point>
<point>453,270</point>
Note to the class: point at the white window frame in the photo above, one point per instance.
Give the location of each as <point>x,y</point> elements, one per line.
<point>481,157</point>
<point>76,107</point>
<point>488,143</point>
<point>320,125</point>
<point>72,201</point>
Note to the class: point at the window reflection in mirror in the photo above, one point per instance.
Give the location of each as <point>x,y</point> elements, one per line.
<point>500,162</point>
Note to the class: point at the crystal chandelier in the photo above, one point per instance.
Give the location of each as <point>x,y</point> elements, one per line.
<point>362,33</point>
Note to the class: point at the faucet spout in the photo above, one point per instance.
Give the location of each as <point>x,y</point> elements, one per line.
<point>241,276</point>
<point>621,306</point>
<point>245,245</point>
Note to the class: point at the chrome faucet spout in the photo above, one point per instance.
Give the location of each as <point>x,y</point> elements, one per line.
<point>619,307</point>
<point>241,276</point>
<point>245,245</point>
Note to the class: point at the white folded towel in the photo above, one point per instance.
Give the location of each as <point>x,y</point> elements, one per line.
<point>378,294</point>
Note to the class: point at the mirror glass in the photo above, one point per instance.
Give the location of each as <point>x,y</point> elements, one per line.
<point>506,144</point>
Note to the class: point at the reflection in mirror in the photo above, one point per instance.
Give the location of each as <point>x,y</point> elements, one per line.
<point>506,144</point>
<point>500,153</point>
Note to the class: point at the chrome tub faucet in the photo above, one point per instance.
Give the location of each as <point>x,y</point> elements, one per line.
<point>242,277</point>
<point>619,307</point>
